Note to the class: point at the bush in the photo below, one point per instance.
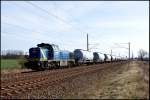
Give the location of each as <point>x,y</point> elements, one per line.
<point>22,62</point>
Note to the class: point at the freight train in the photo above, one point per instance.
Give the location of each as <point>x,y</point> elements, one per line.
<point>48,56</point>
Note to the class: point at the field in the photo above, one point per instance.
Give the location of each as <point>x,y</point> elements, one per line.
<point>10,64</point>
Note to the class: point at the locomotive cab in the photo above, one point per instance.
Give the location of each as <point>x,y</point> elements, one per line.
<point>52,49</point>
<point>38,54</point>
<point>37,57</point>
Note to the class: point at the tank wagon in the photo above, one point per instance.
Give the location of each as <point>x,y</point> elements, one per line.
<point>118,58</point>
<point>83,56</point>
<point>114,58</point>
<point>107,58</point>
<point>98,57</point>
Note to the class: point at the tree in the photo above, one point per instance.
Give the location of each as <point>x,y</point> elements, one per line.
<point>141,54</point>
<point>11,54</point>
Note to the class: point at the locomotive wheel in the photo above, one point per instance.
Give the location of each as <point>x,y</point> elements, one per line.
<point>42,66</point>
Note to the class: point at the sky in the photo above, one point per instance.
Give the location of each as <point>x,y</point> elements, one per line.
<point>109,25</point>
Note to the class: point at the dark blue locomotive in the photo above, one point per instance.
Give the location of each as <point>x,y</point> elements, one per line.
<point>47,56</point>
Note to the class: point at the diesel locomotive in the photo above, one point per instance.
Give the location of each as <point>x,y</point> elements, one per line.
<point>47,56</point>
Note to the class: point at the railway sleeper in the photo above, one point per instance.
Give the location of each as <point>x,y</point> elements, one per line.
<point>7,94</point>
<point>16,91</point>
<point>2,97</point>
<point>21,90</point>
<point>28,88</point>
<point>9,87</point>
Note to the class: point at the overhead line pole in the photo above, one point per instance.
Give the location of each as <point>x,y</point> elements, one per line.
<point>111,51</point>
<point>129,50</point>
<point>87,43</point>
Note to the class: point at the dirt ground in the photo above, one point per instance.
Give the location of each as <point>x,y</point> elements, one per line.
<point>126,81</point>
<point>13,71</point>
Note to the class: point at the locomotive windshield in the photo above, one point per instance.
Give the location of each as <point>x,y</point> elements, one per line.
<point>34,53</point>
<point>55,47</point>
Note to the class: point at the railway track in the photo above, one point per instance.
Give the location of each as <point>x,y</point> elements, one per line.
<point>6,78</point>
<point>26,83</point>
<point>21,76</point>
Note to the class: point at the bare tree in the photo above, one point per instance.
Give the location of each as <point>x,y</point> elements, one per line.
<point>12,54</point>
<point>141,54</point>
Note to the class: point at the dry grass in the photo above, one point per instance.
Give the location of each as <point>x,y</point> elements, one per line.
<point>127,82</point>
<point>130,84</point>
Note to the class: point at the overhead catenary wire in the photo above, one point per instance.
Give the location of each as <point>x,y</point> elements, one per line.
<point>30,30</point>
<point>19,26</point>
<point>101,41</point>
<point>68,13</point>
<point>51,14</point>
<point>18,36</point>
<point>86,25</point>
<point>26,8</point>
<point>57,17</point>
<point>14,25</point>
<point>36,30</point>
<point>18,19</point>
<point>24,28</point>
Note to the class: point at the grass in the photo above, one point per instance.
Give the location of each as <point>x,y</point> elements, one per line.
<point>10,64</point>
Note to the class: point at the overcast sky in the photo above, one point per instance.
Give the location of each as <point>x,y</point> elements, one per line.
<point>66,23</point>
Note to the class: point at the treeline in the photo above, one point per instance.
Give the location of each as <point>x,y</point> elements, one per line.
<point>143,55</point>
<point>12,54</point>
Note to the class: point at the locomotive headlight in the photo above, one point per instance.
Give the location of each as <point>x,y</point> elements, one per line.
<point>38,63</point>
